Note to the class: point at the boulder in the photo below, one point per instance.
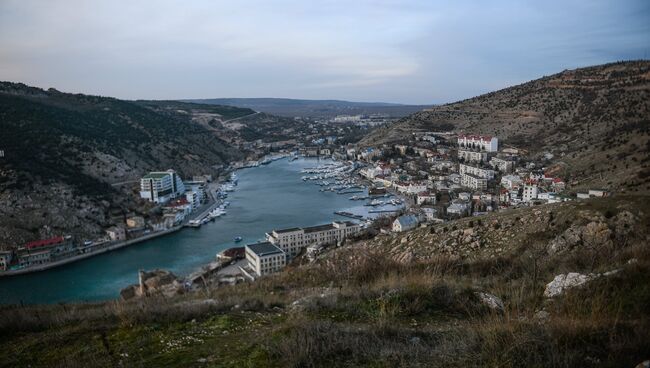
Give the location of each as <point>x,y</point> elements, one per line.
<point>563,282</point>
<point>491,301</point>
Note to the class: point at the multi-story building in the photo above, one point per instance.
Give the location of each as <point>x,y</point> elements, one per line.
<point>476,171</point>
<point>161,186</point>
<point>410,187</point>
<point>478,142</point>
<point>473,181</point>
<point>530,192</point>
<point>502,164</point>
<point>265,258</point>
<point>46,250</point>
<point>293,240</point>
<point>472,156</point>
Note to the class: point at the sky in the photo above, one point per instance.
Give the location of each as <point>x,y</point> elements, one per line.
<point>414,52</point>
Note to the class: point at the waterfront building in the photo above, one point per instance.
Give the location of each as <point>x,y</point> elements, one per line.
<point>480,142</point>
<point>161,186</point>
<point>43,251</point>
<point>116,233</point>
<point>404,223</point>
<point>6,257</point>
<point>265,258</point>
<point>293,240</point>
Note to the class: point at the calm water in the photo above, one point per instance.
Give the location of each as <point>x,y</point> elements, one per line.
<point>267,197</point>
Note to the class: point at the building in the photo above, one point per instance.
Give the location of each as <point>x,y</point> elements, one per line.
<point>457,209</point>
<point>116,233</point>
<point>293,240</point>
<point>404,223</point>
<point>503,165</point>
<point>472,156</point>
<point>6,257</point>
<point>478,142</point>
<point>44,251</point>
<point>598,193</point>
<point>531,191</point>
<point>410,187</point>
<point>473,182</point>
<point>135,222</point>
<point>265,258</point>
<point>476,171</point>
<point>511,181</point>
<point>161,186</point>
<point>425,198</point>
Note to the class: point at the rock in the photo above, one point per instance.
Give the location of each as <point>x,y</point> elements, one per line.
<point>542,315</point>
<point>492,301</point>
<point>643,364</point>
<point>563,282</point>
<point>595,233</point>
<point>565,241</point>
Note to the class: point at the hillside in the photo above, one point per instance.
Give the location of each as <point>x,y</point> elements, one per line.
<point>471,292</point>
<point>595,121</point>
<point>314,108</point>
<point>63,151</point>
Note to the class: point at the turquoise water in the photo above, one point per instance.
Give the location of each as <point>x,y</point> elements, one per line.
<point>267,197</point>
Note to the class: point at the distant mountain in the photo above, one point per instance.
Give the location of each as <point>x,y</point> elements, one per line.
<point>595,121</point>
<point>314,108</point>
<point>63,151</point>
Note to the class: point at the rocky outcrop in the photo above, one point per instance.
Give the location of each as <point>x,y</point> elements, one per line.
<point>595,234</point>
<point>157,282</point>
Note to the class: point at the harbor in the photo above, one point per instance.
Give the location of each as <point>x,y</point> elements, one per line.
<point>267,197</point>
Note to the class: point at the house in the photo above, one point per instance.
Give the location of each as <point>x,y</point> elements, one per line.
<point>265,258</point>
<point>457,208</point>
<point>425,198</point>
<point>558,184</point>
<point>404,223</point>
<point>429,214</point>
<point>161,186</point>
<point>116,233</point>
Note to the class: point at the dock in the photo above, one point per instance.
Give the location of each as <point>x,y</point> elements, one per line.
<point>348,214</point>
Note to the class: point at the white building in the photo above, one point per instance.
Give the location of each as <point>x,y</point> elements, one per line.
<point>265,258</point>
<point>425,198</point>
<point>457,208</point>
<point>404,223</point>
<point>480,142</point>
<point>472,156</point>
<point>501,164</point>
<point>530,192</point>
<point>511,181</point>
<point>161,186</point>
<point>473,182</point>
<point>410,187</point>
<point>476,171</point>
<point>293,240</point>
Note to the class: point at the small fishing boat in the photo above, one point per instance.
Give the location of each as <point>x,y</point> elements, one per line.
<point>238,239</point>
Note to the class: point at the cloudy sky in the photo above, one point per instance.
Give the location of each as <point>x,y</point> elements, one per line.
<point>396,51</point>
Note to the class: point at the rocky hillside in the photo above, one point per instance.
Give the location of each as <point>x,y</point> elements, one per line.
<point>63,152</point>
<point>595,121</point>
<point>560,285</point>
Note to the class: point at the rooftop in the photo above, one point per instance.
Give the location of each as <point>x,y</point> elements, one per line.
<point>264,249</point>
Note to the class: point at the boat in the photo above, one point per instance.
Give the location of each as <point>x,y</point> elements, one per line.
<point>238,239</point>
<point>194,223</point>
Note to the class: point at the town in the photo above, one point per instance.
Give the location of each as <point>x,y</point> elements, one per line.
<point>434,177</point>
